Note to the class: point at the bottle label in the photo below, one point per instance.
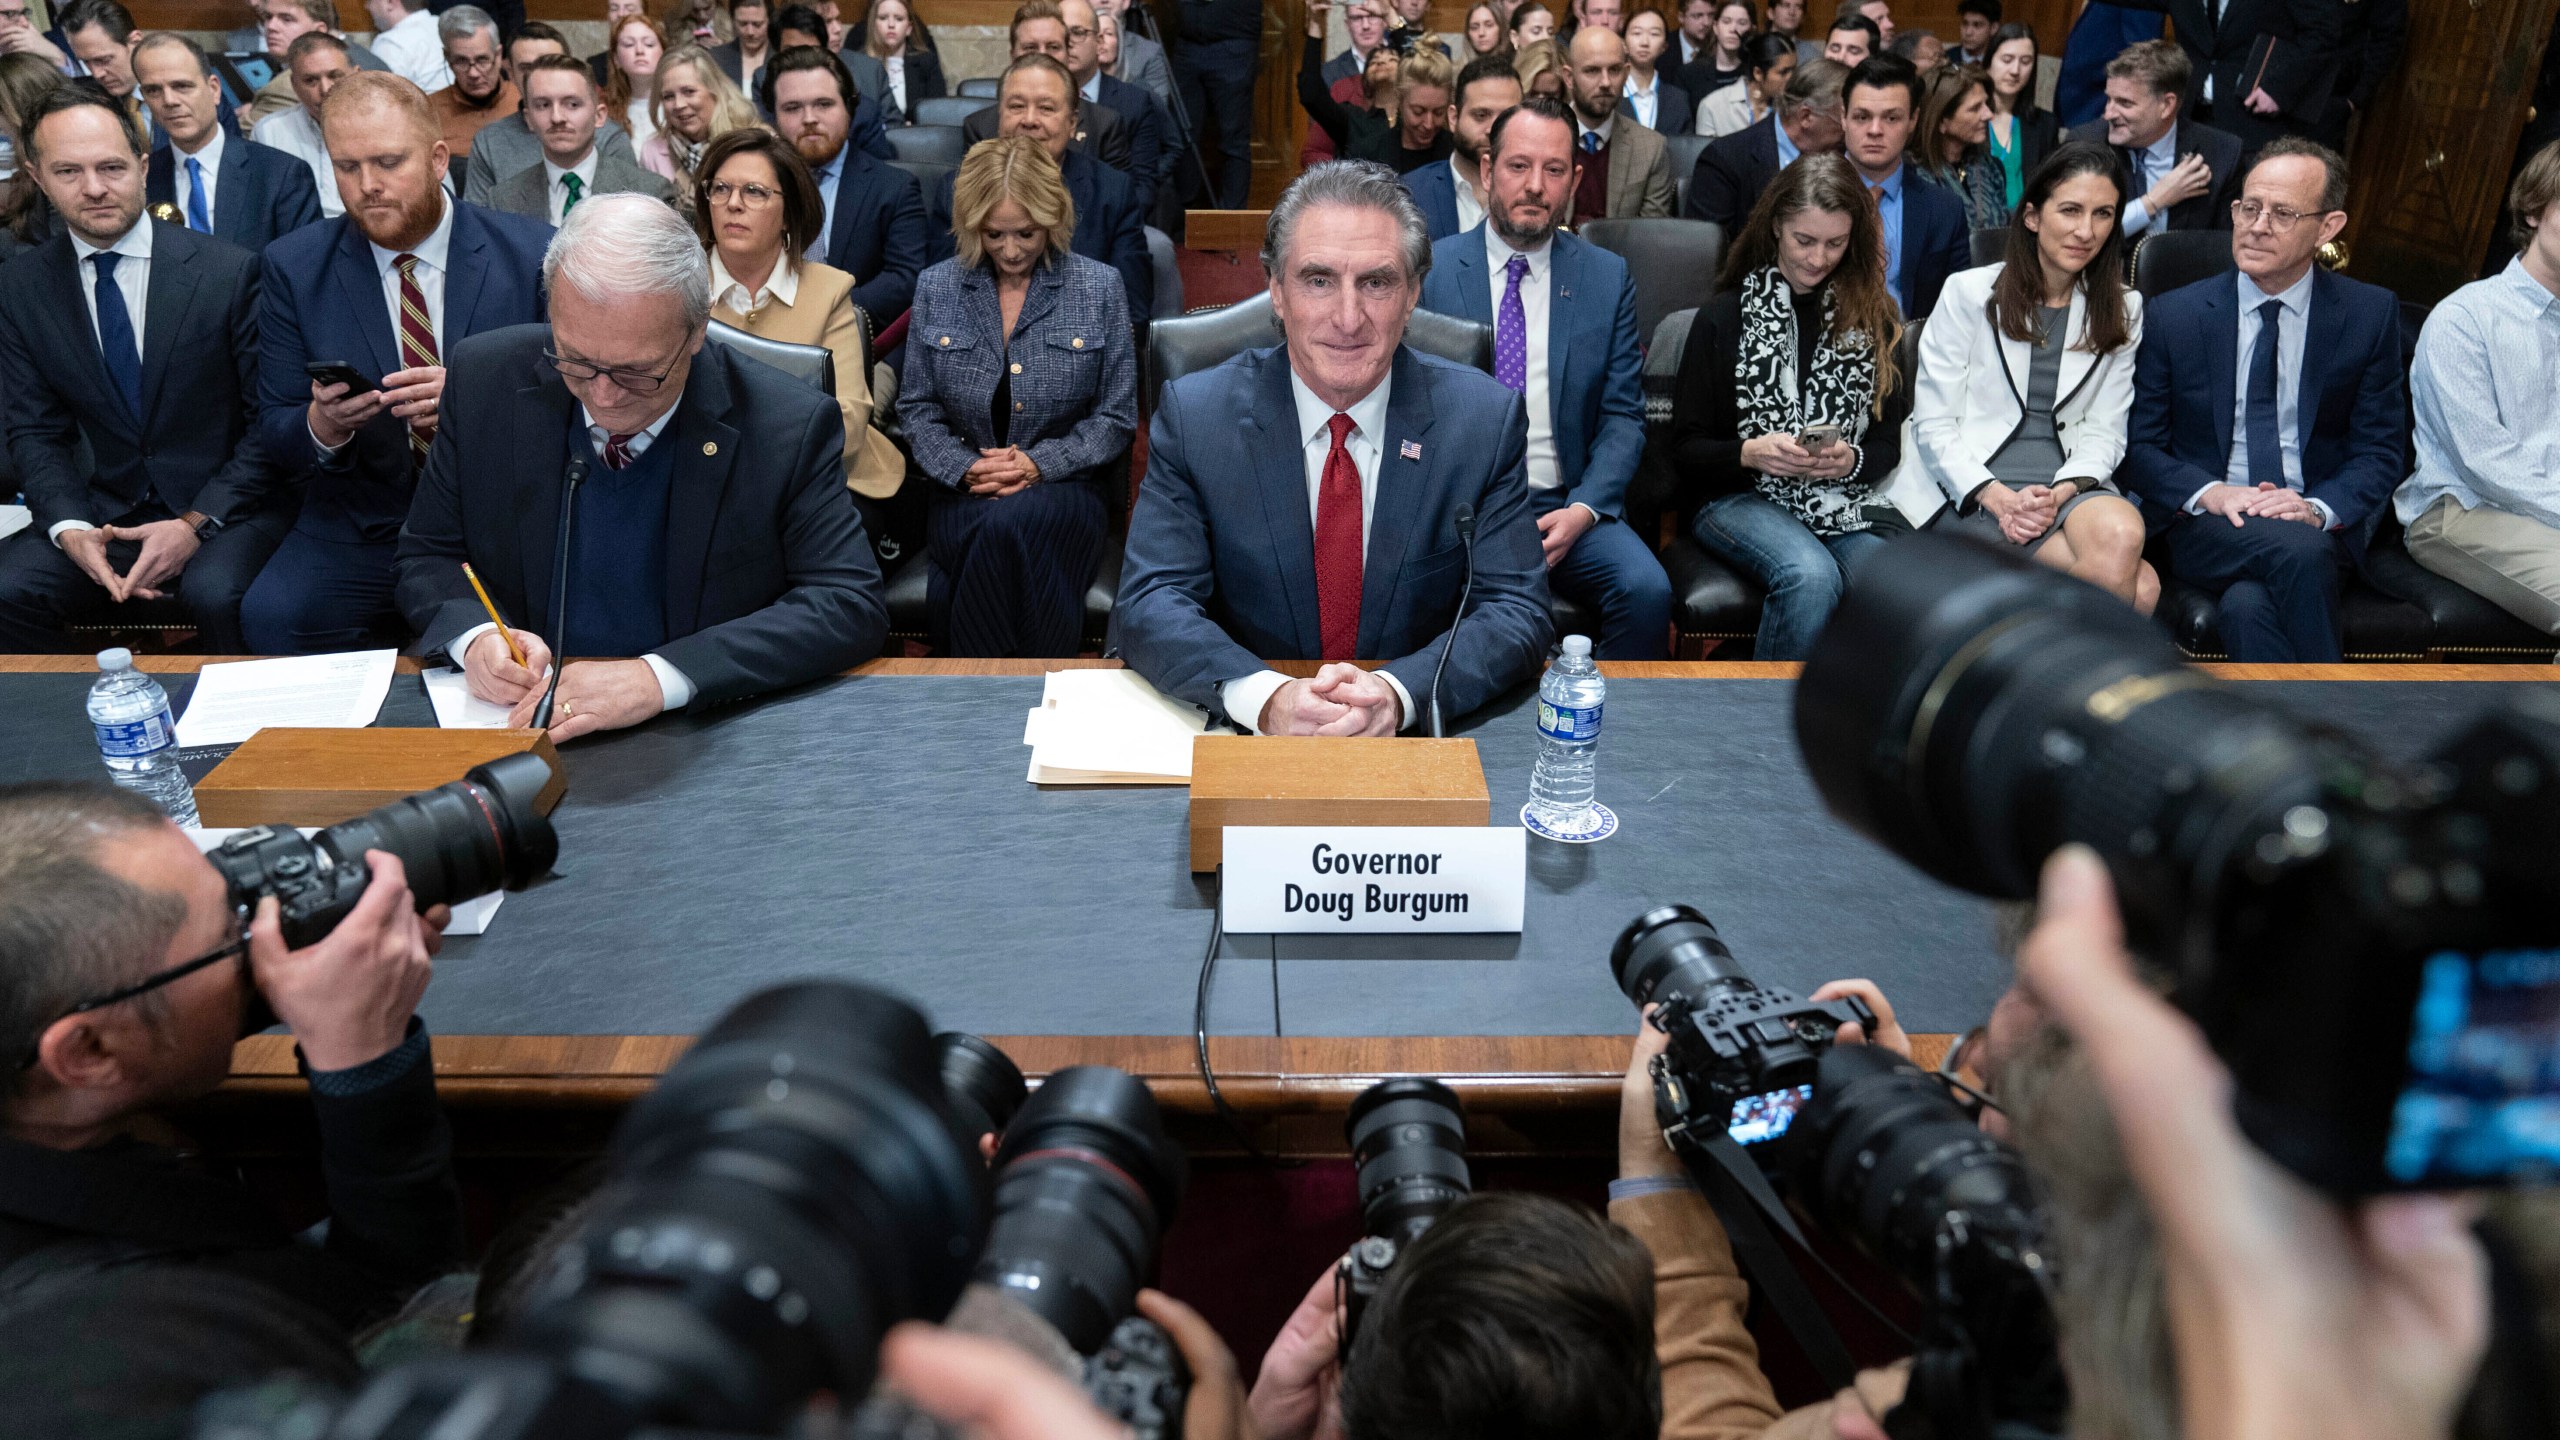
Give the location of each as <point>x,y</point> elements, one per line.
<point>135,739</point>
<point>1565,722</point>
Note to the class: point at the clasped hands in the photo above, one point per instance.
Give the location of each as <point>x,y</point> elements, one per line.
<point>167,546</point>
<point>594,694</point>
<point>2265,500</point>
<point>999,472</point>
<point>1341,699</point>
<point>335,415</point>
<point>2026,514</point>
<point>1781,455</point>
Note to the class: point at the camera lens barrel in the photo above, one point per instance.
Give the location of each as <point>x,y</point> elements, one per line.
<point>1086,1182</point>
<point>984,1086</point>
<point>1408,1140</point>
<point>1671,953</point>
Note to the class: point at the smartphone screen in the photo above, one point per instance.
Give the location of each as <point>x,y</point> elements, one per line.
<point>2482,1100</point>
<point>1758,1119</point>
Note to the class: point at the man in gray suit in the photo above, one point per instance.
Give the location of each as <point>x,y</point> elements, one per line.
<point>560,105</point>
<point>505,147</point>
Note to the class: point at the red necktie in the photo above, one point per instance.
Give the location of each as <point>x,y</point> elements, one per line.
<point>1338,548</point>
<point>617,451</point>
<point>417,339</point>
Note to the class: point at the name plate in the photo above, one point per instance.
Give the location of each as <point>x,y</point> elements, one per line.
<point>1373,879</point>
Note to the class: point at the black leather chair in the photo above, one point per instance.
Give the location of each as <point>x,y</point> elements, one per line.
<point>1711,602</point>
<point>1672,261</point>
<point>928,173</point>
<point>2177,258</point>
<point>813,363</point>
<point>1168,272</point>
<point>1989,246</point>
<point>2396,609</point>
<point>1680,155</point>
<point>982,87</point>
<point>953,110</point>
<point>943,144</point>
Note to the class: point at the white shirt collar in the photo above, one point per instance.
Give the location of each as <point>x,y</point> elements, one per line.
<point>585,170</point>
<point>2296,298</point>
<point>415,20</point>
<point>430,251</point>
<point>135,242</point>
<point>1498,253</point>
<point>782,285</point>
<point>651,431</point>
<point>209,157</point>
<point>1368,413</point>
<point>1634,91</point>
<point>1584,127</point>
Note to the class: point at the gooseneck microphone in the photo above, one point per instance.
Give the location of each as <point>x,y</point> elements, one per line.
<point>575,476</point>
<point>1466,519</point>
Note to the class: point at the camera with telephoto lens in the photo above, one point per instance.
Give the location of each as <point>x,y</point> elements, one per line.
<point>457,842</point>
<point>793,1188</point>
<point>1401,38</point>
<point>983,1085</point>
<point>1408,1140</point>
<point>2370,947</point>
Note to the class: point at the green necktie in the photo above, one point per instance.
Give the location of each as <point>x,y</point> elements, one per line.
<point>577,192</point>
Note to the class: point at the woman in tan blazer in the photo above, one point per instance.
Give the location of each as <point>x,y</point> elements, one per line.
<point>757,211</point>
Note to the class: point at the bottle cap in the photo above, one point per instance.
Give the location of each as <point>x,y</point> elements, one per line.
<point>1578,646</point>
<point>118,658</point>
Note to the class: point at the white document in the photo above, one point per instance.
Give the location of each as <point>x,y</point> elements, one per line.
<point>457,708</point>
<point>471,917</point>
<point>235,701</point>
<point>14,518</point>
<point>1109,727</point>
<point>1373,879</point>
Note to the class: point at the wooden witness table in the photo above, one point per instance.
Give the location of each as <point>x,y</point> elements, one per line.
<point>1529,1091</point>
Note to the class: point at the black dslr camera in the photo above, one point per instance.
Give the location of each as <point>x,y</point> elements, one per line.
<point>1409,1146</point>
<point>2372,948</point>
<point>483,832</point>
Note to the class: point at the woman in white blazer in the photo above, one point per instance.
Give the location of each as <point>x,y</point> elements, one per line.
<point>2024,384</point>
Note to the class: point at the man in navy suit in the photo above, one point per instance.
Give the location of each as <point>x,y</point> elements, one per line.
<point>1925,239</point>
<point>2185,174</point>
<point>1151,149</point>
<point>875,230</point>
<point>2268,426</point>
<point>388,289</point>
<point>1037,99</point>
<point>1305,501</point>
<point>130,335</point>
<point>218,184</point>
<point>1734,169</point>
<point>1564,325</point>
<point>1450,193</point>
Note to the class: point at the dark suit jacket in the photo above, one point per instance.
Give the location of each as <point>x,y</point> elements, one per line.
<point>2100,34</point>
<point>1151,151</point>
<point>879,237</point>
<point>2289,48</point>
<point>194,444</point>
<point>259,193</point>
<point>769,580</point>
<point>1675,109</point>
<point>1935,240</point>
<point>1108,227</point>
<point>2352,409</point>
<point>924,80</point>
<point>1101,132</point>
<point>1595,370</point>
<point>1074,378</point>
<point>2221,152</point>
<point>1730,174</point>
<point>322,299</point>
<point>1433,188</point>
<point>1221,574</point>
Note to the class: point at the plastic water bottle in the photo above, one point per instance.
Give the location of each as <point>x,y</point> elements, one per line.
<point>1560,789</point>
<point>136,737</point>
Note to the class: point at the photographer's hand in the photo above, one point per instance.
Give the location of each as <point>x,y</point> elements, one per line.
<point>2293,1316</point>
<point>1293,1397</point>
<point>1888,1030</point>
<point>987,1389</point>
<point>1641,1149</point>
<point>348,999</point>
<point>1217,1408</point>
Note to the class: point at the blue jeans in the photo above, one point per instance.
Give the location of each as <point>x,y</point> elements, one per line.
<point>1804,573</point>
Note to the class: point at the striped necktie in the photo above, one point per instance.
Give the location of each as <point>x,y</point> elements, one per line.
<point>417,340</point>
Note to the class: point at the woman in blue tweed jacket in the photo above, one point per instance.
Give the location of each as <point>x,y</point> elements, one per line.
<point>1021,387</point>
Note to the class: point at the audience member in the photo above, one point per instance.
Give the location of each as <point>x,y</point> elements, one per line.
<point>1769,62</point>
<point>2101,33</point>
<point>875,230</point>
<point>912,71</point>
<point>743,58</point>
<point>2024,385</point>
<point>1619,170</point>
<point>695,105</point>
<point>1951,143</point>
<point>131,976</point>
<point>1606,15</point>
<point>716,553</point>
<point>100,35</point>
<point>20,35</point>
<point>1786,17</point>
<point>139,490</point>
<point>796,26</point>
<point>695,22</point>
<point>1372,91</point>
<point>1365,23</point>
<point>1037,101</point>
<point>481,91</point>
<point>1040,28</point>
<point>1788,411</point>
<point>600,64</point>
<point>560,105</point>
<point>1530,23</point>
<point>630,90</point>
<point>317,63</point>
<point>2269,421</point>
<point>1877,13</point>
<point>1202,600</point>
<point>506,147</point>
<point>758,215</point>
<point>2021,133</point>
<point>1149,163</point>
<point>1407,133</point>
<point>1922,48</point>
<point>1692,36</point>
<point>1484,36</point>
<point>221,186</point>
<point>1141,62</point>
<point>1651,100</point>
<point>406,40</point>
<point>1563,314</point>
<point>1925,239</point>
<point>1450,195</point>
<point>443,270</point>
<point>1724,60</point>
<point>2262,69</point>
<point>1977,28</point>
<point>2483,507</point>
<point>1733,172</point>
<point>2185,175</point>
<point>27,219</point>
<point>1021,395</point>
<point>1541,69</point>
<point>1220,51</point>
<point>1852,40</point>
<point>280,23</point>
<point>1177,141</point>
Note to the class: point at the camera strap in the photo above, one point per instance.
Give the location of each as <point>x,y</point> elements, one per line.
<point>1741,1197</point>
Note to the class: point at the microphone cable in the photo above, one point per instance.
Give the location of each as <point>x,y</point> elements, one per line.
<point>1200,1027</point>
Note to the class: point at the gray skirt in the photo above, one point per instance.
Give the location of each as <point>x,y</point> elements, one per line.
<point>1983,525</point>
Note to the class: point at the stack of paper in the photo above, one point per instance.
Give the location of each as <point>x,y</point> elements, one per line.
<point>457,708</point>
<point>235,701</point>
<point>1109,727</point>
<point>14,518</point>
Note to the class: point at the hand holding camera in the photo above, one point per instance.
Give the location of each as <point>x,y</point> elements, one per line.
<point>348,998</point>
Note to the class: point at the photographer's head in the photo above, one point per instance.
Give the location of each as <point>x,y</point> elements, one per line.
<point>1514,1315</point>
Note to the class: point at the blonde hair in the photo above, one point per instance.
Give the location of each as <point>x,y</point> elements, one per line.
<point>1427,68</point>
<point>1535,60</point>
<point>730,108</point>
<point>1016,168</point>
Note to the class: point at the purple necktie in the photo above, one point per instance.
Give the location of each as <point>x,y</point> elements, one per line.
<point>1511,331</point>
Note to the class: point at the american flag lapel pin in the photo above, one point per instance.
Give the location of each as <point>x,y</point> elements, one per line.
<point>1410,450</point>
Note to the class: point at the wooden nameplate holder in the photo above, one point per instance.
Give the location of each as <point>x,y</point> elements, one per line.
<point>320,777</point>
<point>1322,780</point>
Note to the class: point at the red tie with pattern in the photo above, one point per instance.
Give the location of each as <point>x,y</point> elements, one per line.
<point>417,340</point>
<point>1338,548</point>
<point>617,451</point>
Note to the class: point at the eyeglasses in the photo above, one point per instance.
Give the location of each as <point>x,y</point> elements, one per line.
<point>721,192</point>
<point>19,16</point>
<point>2279,218</point>
<point>638,382</point>
<point>239,945</point>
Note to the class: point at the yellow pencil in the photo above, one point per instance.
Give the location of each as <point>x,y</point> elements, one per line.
<point>494,617</point>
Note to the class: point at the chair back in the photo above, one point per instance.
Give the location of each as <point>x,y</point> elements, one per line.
<point>1160,257</point>
<point>2170,260</point>
<point>978,87</point>
<point>815,364</point>
<point>1672,262</point>
<point>953,110</point>
<point>1990,246</point>
<point>944,144</point>
<point>928,173</point>
<point>1680,153</point>
<point>1179,345</point>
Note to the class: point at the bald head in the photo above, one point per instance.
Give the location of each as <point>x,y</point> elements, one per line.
<point>366,101</point>
<point>1595,72</point>
<point>1593,45</point>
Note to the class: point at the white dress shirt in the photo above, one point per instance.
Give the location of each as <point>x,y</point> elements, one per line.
<point>295,133</point>
<point>2296,300</point>
<point>1535,286</point>
<point>1244,698</point>
<point>133,281</point>
<point>2488,431</point>
<point>642,124</point>
<point>675,689</point>
<point>555,189</point>
<point>209,160</point>
<point>1645,104</point>
<point>1470,205</point>
<point>431,254</point>
<point>896,65</point>
<point>413,51</point>
<point>782,285</point>
<point>2153,161</point>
